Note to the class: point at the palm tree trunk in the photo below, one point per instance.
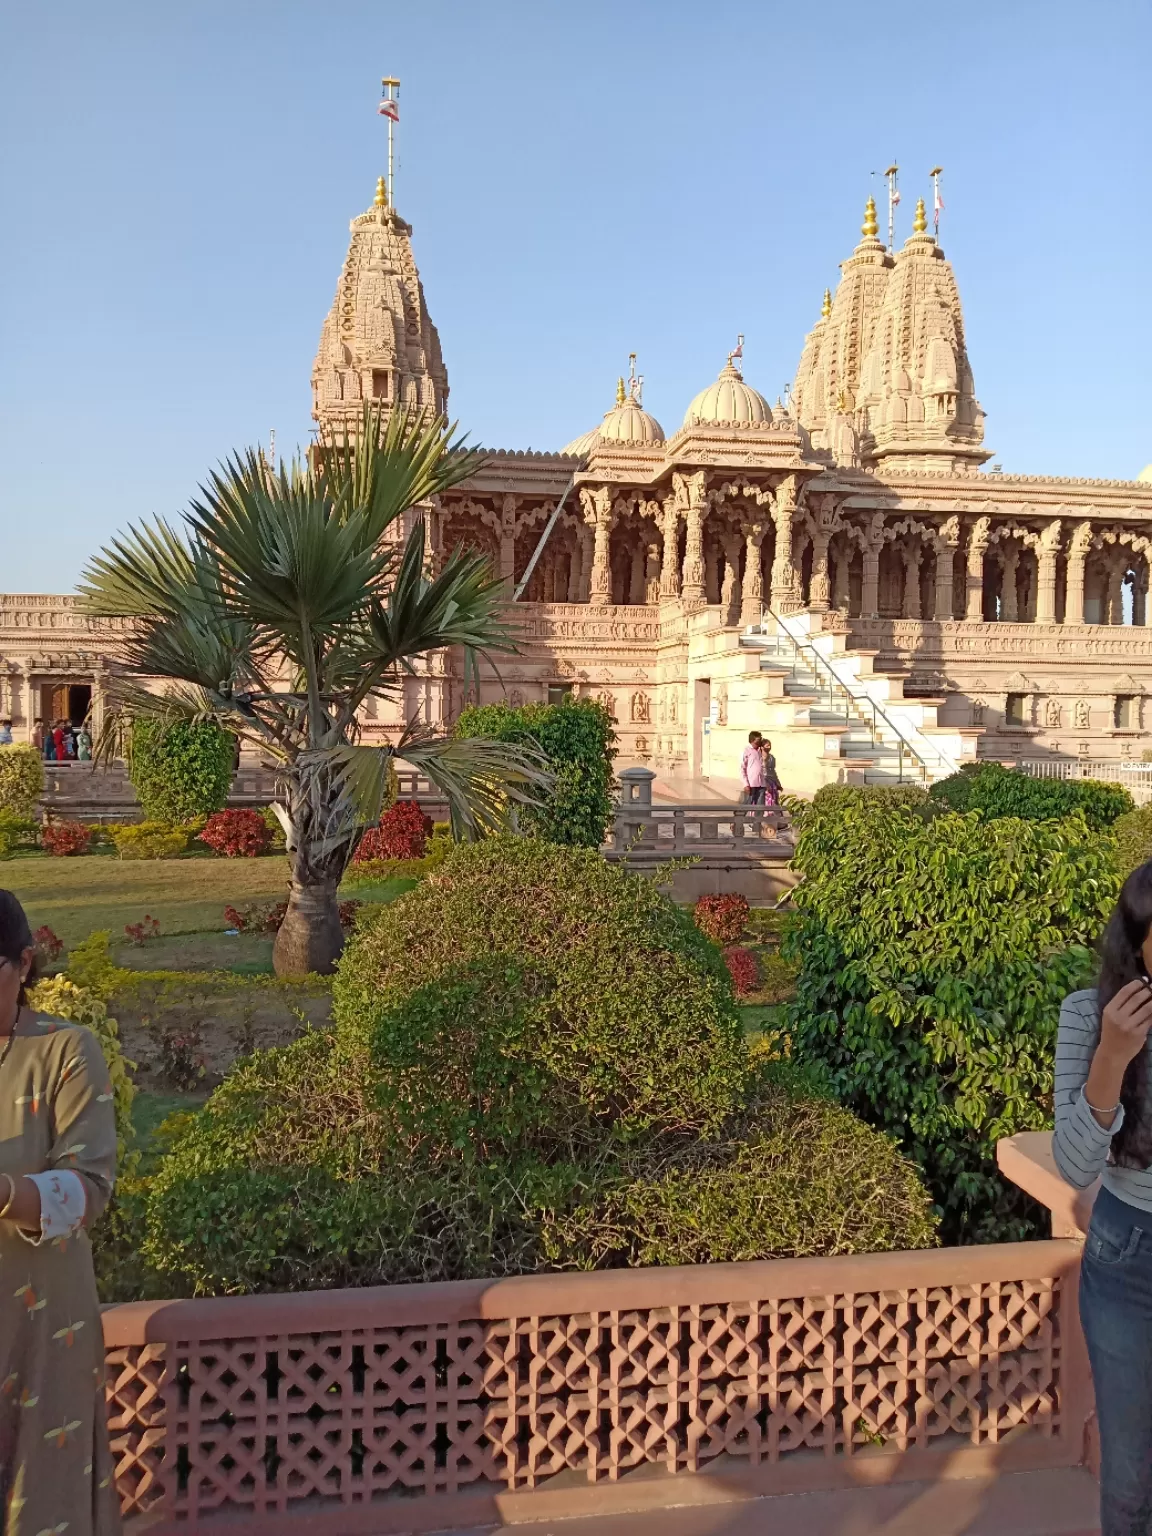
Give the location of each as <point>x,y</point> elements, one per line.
<point>310,938</point>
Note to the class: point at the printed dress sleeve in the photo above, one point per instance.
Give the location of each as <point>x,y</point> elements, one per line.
<point>77,1183</point>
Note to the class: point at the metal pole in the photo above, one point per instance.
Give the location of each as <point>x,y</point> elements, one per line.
<point>544,537</point>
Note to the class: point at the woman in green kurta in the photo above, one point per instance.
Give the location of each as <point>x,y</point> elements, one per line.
<point>57,1164</point>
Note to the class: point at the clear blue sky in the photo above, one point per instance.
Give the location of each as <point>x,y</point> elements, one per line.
<point>584,179</point>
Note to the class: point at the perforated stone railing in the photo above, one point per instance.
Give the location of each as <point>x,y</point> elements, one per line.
<point>423,1407</point>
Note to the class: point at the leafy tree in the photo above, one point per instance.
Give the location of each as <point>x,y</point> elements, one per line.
<point>579,744</point>
<point>934,954</point>
<point>281,607</point>
<point>180,769</point>
<point>21,780</point>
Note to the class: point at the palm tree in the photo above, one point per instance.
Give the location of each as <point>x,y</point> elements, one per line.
<point>280,608</point>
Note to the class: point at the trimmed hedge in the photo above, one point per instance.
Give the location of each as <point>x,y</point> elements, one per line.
<point>537,1062</point>
<point>1133,834</point>
<point>180,771</point>
<point>996,791</point>
<point>578,739</point>
<point>21,779</point>
<point>934,956</point>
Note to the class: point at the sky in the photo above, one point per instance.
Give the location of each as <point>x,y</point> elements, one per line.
<point>584,180</point>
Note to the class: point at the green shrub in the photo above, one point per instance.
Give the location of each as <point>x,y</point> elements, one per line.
<point>17,832</point>
<point>580,744</point>
<point>536,1062</point>
<point>934,956</point>
<point>21,779</point>
<point>792,1176</point>
<point>277,838</point>
<point>641,1018</point>
<point>150,840</point>
<point>996,791</point>
<point>179,770</point>
<point>1133,834</point>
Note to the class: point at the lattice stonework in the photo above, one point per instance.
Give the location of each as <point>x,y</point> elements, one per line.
<point>263,1423</point>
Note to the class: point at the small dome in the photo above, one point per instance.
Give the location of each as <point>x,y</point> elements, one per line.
<point>729,399</point>
<point>626,422</point>
<point>1145,475</point>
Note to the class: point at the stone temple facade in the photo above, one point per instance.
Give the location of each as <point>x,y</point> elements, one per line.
<point>843,571</point>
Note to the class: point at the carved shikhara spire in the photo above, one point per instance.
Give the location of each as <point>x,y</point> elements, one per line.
<point>378,342</point>
<point>824,394</point>
<point>916,402</point>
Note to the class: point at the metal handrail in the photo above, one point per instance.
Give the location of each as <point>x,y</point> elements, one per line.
<point>861,698</point>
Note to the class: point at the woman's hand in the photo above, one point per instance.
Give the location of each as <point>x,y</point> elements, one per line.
<point>24,1209</point>
<point>1124,1028</point>
<point>1126,1021</point>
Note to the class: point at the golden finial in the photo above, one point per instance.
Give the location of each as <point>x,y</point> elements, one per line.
<point>381,192</point>
<point>620,395</point>
<point>826,307</point>
<point>870,226</point>
<point>920,222</point>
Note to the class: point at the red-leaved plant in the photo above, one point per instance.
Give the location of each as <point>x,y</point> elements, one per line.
<point>257,917</point>
<point>49,946</point>
<point>402,833</point>
<point>239,834</point>
<point>140,933</point>
<point>722,918</point>
<point>63,838</point>
<point>742,968</point>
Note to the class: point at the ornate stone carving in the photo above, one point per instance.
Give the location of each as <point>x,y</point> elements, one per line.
<point>641,709</point>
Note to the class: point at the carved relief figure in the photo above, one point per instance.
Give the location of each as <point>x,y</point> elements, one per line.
<point>1052,714</point>
<point>722,704</point>
<point>1083,715</point>
<point>641,709</point>
<point>672,707</point>
<point>978,708</point>
<point>516,699</point>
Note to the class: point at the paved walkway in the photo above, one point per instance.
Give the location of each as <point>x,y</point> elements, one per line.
<point>1057,1503</point>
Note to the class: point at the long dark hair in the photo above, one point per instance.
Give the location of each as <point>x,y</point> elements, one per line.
<point>15,938</point>
<point>1121,961</point>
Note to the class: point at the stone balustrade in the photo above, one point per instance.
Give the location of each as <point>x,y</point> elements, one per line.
<point>426,1407</point>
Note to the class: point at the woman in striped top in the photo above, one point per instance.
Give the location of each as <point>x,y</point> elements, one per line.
<point>1104,1131</point>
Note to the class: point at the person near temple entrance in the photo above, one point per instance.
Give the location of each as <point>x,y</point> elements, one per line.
<point>773,788</point>
<point>58,751</point>
<point>38,735</point>
<point>752,769</point>
<point>83,744</point>
<point>57,1166</point>
<point>1103,1104</point>
<point>5,733</point>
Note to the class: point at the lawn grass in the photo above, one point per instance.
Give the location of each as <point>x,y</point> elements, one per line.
<point>76,896</point>
<point>149,1111</point>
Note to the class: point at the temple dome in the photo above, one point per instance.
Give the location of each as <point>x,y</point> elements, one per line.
<point>729,399</point>
<point>1145,475</point>
<point>626,422</point>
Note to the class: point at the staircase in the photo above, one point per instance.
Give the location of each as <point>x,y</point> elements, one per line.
<point>875,734</point>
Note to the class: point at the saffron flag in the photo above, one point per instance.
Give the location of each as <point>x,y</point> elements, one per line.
<point>389,108</point>
<point>937,204</point>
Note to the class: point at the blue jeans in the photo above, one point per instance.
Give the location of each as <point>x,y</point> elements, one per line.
<point>1116,1311</point>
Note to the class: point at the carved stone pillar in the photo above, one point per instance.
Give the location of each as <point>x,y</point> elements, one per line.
<point>651,573</point>
<point>586,546</point>
<point>783,593</point>
<point>1141,607</point>
<point>1009,595</point>
<point>1077,555</point>
<point>945,570</point>
<point>729,607</point>
<point>752,586</point>
<point>820,588</point>
<point>636,575</point>
<point>870,582</point>
<point>574,569</point>
<point>911,556</point>
<point>1046,574</point>
<point>1114,593</point>
<point>977,548</point>
<point>669,574</point>
<point>508,507</point>
<point>692,590</point>
<point>598,511</point>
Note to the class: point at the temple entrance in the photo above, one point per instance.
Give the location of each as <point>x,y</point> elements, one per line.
<point>66,701</point>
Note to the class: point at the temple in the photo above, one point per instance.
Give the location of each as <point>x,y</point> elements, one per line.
<point>843,571</point>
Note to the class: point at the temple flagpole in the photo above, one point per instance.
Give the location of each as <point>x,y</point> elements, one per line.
<point>937,201</point>
<point>893,198</point>
<point>390,108</point>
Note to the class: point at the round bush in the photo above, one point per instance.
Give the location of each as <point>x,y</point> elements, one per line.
<point>722,918</point>
<point>21,779</point>
<point>65,838</point>
<point>180,770</point>
<point>402,833</point>
<point>996,791</point>
<point>236,834</point>
<point>640,1016</point>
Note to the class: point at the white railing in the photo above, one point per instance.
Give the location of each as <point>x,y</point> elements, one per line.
<point>931,761</point>
<point>1135,777</point>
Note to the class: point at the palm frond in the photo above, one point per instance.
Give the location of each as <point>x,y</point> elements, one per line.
<point>483,781</point>
<point>141,573</point>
